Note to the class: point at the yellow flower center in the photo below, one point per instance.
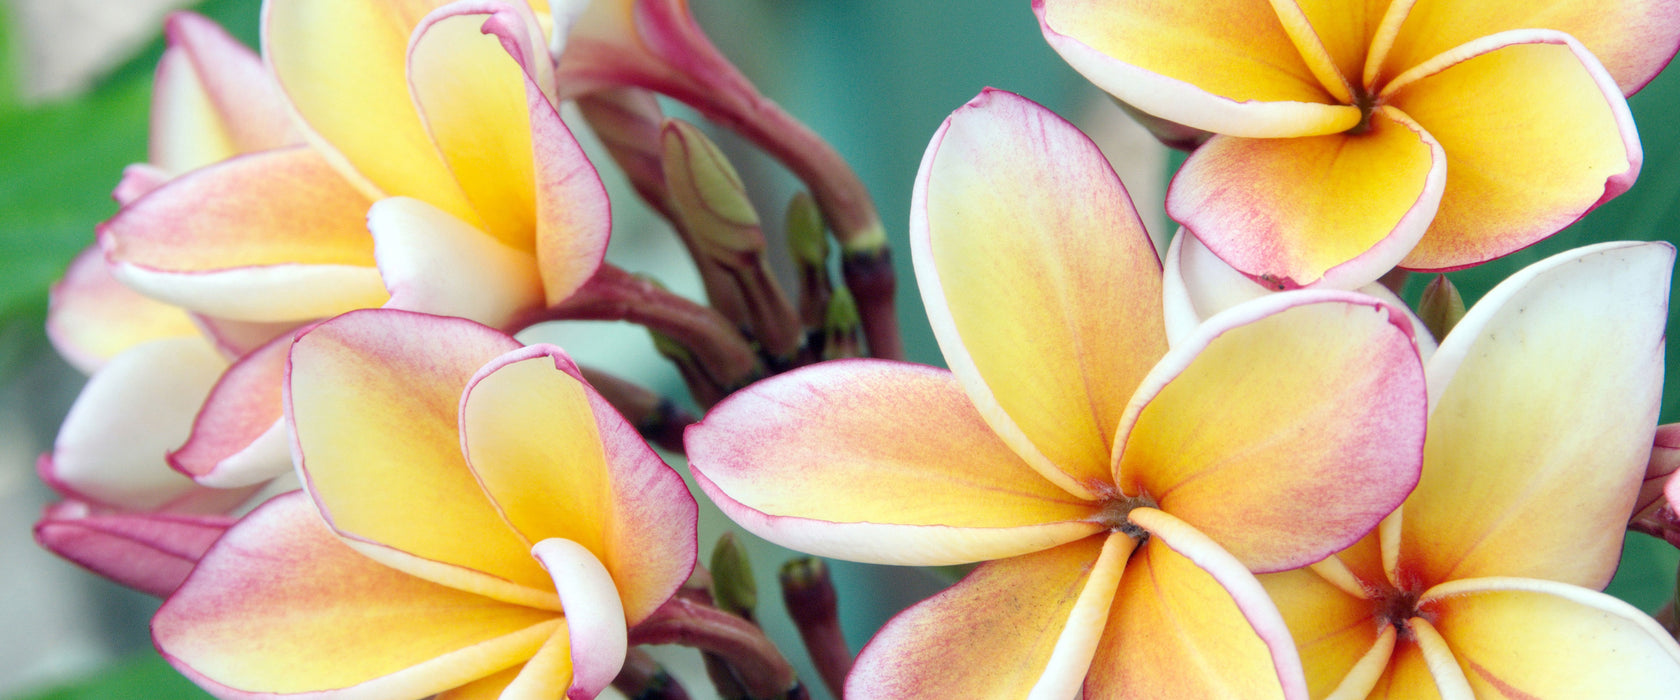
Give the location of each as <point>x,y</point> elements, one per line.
<point>1116,510</point>
<point>1396,605</point>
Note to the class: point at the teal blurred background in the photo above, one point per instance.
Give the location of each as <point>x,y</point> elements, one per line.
<point>875,77</point>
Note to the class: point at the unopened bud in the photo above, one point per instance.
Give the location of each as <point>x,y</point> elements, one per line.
<point>708,193</point>
<point>842,327</point>
<point>807,237</point>
<point>1441,306</point>
<point>733,587</point>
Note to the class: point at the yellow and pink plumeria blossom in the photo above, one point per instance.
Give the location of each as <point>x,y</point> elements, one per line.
<point>1119,491</point>
<point>1355,136</point>
<point>479,202</point>
<point>478,522</point>
<point>1484,584</point>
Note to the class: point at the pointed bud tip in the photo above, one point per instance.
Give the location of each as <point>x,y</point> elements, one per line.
<point>732,579</point>
<point>1441,306</point>
<point>805,231</point>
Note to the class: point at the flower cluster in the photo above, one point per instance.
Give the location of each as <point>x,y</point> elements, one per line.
<point>1244,469</point>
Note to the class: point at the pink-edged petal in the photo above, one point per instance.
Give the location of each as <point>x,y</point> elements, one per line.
<point>1522,638</point>
<point>240,338</point>
<point>137,180</point>
<point>1040,282</point>
<point>1336,210</point>
<point>1224,67</point>
<point>272,236</point>
<point>238,437</point>
<point>1659,472</point>
<point>132,411</point>
<point>280,607</point>
<point>1536,135</point>
<point>149,552</point>
<point>1280,461</point>
<point>435,263</point>
<point>1190,621</point>
<point>1545,398</point>
<point>213,99</point>
<point>364,119</point>
<point>559,462</point>
<point>91,316</point>
<point>1343,646</point>
<point>1019,627</point>
<point>877,461</point>
<point>372,398</point>
<point>1633,38</point>
<point>595,618</point>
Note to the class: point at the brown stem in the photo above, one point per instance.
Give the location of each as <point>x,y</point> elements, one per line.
<point>870,278</point>
<point>642,678</point>
<point>615,295</point>
<point>659,419</point>
<point>812,602</point>
<point>759,666</point>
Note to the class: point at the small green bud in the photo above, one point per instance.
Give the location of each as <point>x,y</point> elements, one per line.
<point>733,588</point>
<point>807,239</point>
<point>708,192</point>
<point>1441,306</point>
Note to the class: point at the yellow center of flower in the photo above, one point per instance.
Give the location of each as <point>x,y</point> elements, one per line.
<point>1396,605</point>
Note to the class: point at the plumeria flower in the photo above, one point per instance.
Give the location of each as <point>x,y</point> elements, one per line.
<point>477,522</point>
<point>434,130</point>
<point>1119,492</point>
<point>1352,137</point>
<point>1485,583</point>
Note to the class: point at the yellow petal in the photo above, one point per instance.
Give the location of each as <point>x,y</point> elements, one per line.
<point>559,462</point>
<point>1337,210</point>
<point>1335,631</point>
<point>1225,67</point>
<point>363,116</point>
<point>372,397</point>
<point>1546,400</point>
<point>1518,638</point>
<point>1407,677</point>
<point>1280,461</point>
<point>877,461</point>
<point>213,99</point>
<point>1040,281</point>
<point>91,316</point>
<point>1633,38</point>
<point>1041,612</point>
<point>1536,135</point>
<point>279,605</point>
<point>1344,28</point>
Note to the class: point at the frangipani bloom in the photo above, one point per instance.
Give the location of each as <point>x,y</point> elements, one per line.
<point>1356,136</point>
<point>436,116</point>
<point>1118,491</point>
<point>1485,582</point>
<point>483,523</point>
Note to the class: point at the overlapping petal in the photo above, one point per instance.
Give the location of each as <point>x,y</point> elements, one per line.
<point>238,437</point>
<point>1031,611</point>
<point>149,552</point>
<point>1343,646</point>
<point>1189,621</point>
<point>284,572</point>
<point>532,428</point>
<point>373,399</point>
<point>1526,638</point>
<point>1040,282</point>
<point>271,236</point>
<point>802,458</point>
<point>91,316</point>
<point>212,99</point>
<point>1225,67</point>
<point>1536,134</point>
<point>434,263</point>
<point>1545,397</point>
<point>1235,435</point>
<point>1634,38</point>
<point>1338,210</point>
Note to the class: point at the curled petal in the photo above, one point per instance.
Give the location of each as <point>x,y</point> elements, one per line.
<point>272,236</point>
<point>149,552</point>
<point>595,625</point>
<point>112,445</point>
<point>1509,187</point>
<point>280,607</point>
<point>1228,68</point>
<point>91,316</point>
<point>1190,621</point>
<point>877,461</point>
<point>1545,397</point>
<point>1336,210</point>
<point>1044,612</point>
<point>532,428</point>
<point>434,263</point>
<point>1524,636</point>
<point>372,398</point>
<point>1040,281</point>
<point>238,438</point>
<point>1234,434</point>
